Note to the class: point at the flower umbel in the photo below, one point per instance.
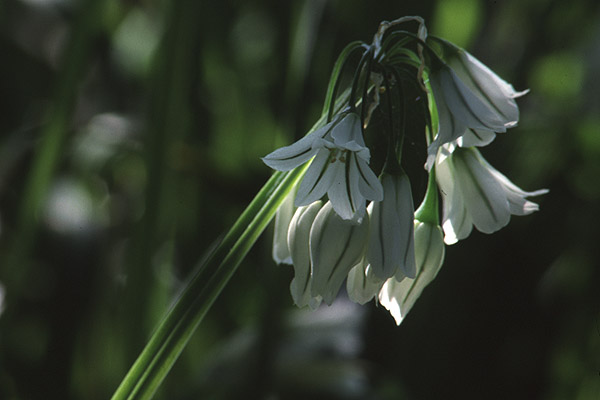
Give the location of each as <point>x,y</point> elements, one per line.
<point>392,252</point>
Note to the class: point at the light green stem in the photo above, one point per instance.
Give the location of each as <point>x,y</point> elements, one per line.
<point>175,330</point>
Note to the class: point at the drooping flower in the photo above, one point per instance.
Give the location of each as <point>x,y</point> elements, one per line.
<point>477,194</point>
<point>391,247</point>
<point>336,245</point>
<point>398,297</point>
<point>340,167</point>
<point>473,102</point>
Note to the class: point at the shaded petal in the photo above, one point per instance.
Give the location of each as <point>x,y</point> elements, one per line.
<point>391,247</point>
<point>318,178</point>
<point>368,184</point>
<point>476,137</point>
<point>449,127</point>
<point>348,130</point>
<point>362,285</point>
<point>517,197</point>
<point>465,106</point>
<point>344,193</point>
<point>336,245</point>
<point>294,155</point>
<point>496,93</point>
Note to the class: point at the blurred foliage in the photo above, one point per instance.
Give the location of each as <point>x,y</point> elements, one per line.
<point>130,137</point>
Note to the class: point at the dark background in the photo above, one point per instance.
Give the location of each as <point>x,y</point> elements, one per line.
<point>130,137</point>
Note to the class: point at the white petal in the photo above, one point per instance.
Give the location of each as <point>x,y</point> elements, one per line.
<point>457,223</point>
<point>283,217</point>
<point>348,130</point>
<point>344,194</point>
<point>318,178</point>
<point>391,246</point>
<point>449,128</point>
<point>476,137</point>
<point>298,243</point>
<point>517,197</point>
<point>362,285</point>
<point>496,93</point>
<point>483,195</point>
<point>398,297</point>
<point>466,106</point>
<point>368,184</point>
<point>294,155</point>
<point>336,246</point>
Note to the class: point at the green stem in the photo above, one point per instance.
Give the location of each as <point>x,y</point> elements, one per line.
<point>335,80</point>
<point>173,333</point>
<point>428,210</point>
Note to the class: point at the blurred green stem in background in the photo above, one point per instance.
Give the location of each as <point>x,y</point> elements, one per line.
<point>173,333</point>
<point>169,118</point>
<point>54,132</point>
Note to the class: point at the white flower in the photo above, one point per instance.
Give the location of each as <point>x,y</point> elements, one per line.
<point>391,246</point>
<point>477,194</point>
<point>336,245</point>
<point>298,243</point>
<point>473,102</point>
<point>340,167</point>
<point>398,297</point>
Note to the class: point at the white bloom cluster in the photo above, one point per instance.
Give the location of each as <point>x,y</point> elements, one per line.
<point>344,223</point>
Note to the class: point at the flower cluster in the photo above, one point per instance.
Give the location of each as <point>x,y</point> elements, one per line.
<point>352,216</point>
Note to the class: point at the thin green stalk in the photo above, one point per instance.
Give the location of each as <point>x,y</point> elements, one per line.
<point>173,333</point>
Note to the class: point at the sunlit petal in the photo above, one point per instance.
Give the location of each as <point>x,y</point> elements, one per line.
<point>298,243</point>
<point>398,297</point>
<point>283,217</point>
<point>484,197</point>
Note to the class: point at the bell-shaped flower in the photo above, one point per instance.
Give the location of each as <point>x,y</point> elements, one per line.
<point>471,100</point>
<point>362,284</point>
<point>340,167</point>
<point>477,194</point>
<point>298,243</point>
<point>336,245</point>
<point>391,246</point>
<point>398,297</point>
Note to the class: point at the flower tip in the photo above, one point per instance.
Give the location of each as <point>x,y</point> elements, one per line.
<point>521,93</point>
